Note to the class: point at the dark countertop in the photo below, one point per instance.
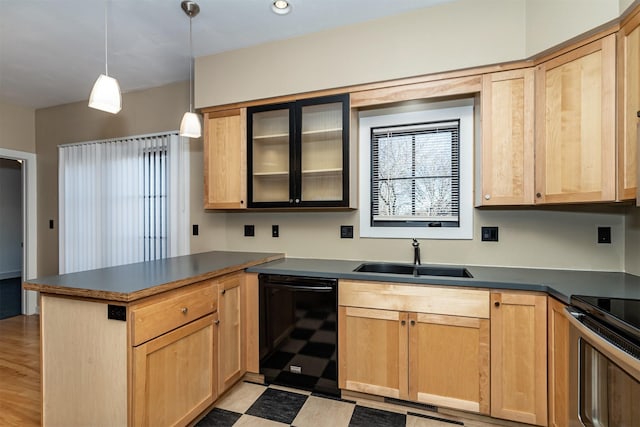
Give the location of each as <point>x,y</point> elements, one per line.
<point>134,281</point>
<point>561,284</point>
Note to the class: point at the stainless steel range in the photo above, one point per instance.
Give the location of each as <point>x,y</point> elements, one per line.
<point>605,362</point>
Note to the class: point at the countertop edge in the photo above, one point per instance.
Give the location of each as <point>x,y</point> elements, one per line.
<point>146,292</point>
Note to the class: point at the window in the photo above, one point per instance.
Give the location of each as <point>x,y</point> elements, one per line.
<point>123,201</point>
<point>416,171</point>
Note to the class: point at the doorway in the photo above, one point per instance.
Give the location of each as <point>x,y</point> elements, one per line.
<point>11,237</point>
<point>27,227</point>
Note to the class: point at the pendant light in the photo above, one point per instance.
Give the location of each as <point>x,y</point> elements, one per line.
<point>105,94</point>
<point>190,125</point>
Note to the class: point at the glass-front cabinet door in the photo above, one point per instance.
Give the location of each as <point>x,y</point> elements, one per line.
<point>321,152</point>
<point>270,147</point>
<point>299,153</point>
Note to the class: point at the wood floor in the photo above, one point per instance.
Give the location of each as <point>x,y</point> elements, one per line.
<point>20,371</point>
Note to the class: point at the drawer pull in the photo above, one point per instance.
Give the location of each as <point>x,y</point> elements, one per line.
<point>184,310</point>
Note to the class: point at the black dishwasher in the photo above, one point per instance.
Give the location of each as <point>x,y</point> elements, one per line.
<point>298,332</point>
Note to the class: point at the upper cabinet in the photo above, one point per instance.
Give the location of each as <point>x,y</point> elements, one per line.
<point>298,154</point>
<point>628,106</point>
<point>507,138</point>
<point>575,125</point>
<point>225,159</point>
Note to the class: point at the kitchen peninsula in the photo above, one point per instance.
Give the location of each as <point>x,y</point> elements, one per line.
<point>137,344</point>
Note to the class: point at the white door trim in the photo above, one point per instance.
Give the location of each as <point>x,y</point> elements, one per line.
<point>29,223</point>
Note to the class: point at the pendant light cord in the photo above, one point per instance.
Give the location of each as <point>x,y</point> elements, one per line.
<point>190,65</point>
<point>106,38</point>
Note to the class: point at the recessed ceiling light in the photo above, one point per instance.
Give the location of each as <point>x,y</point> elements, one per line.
<point>281,7</point>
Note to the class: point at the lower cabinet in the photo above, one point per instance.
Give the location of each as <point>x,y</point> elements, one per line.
<point>436,358</point>
<point>558,359</point>
<point>519,357</point>
<point>231,331</point>
<point>161,360</point>
<point>174,375</point>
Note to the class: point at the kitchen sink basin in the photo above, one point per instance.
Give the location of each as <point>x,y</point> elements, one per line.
<point>413,270</point>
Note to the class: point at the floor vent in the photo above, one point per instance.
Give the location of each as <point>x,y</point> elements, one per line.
<point>424,407</point>
<point>416,405</point>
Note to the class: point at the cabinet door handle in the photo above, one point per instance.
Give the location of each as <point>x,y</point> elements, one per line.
<point>403,322</point>
<point>224,291</point>
<point>217,322</point>
<point>538,195</point>
<point>497,303</point>
<point>184,310</point>
<point>487,196</point>
<point>297,200</point>
<point>413,323</point>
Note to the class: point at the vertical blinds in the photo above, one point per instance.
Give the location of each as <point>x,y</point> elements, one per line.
<point>116,201</point>
<point>415,174</point>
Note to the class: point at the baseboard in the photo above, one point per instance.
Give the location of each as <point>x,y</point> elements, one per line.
<point>10,274</point>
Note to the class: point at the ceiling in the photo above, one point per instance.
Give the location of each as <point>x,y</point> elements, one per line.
<point>51,51</point>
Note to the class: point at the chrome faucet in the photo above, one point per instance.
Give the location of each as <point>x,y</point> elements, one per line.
<point>416,252</point>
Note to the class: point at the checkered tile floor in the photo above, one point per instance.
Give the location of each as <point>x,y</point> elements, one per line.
<point>249,404</point>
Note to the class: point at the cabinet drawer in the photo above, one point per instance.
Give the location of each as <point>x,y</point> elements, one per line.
<point>171,310</point>
<point>453,301</point>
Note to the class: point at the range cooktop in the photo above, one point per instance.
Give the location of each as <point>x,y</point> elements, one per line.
<point>622,313</point>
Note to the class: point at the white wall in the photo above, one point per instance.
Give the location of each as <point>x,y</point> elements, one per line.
<point>17,128</point>
<point>10,218</point>
<point>550,22</point>
<point>464,33</point>
<point>632,240</point>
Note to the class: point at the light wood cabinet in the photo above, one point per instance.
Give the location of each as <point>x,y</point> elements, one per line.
<point>519,357</point>
<point>507,153</point>
<point>231,328</point>
<point>150,362</point>
<point>373,351</point>
<point>558,359</point>
<point>225,159</point>
<point>449,361</point>
<point>174,375</point>
<point>575,125</point>
<point>439,359</point>
<point>628,106</point>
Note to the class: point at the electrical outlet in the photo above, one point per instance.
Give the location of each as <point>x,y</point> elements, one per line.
<point>249,230</point>
<point>51,224</point>
<point>604,234</point>
<point>489,234</point>
<point>346,231</point>
<point>275,231</point>
<point>196,230</point>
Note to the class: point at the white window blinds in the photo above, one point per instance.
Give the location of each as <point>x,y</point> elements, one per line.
<point>123,201</point>
<point>415,176</point>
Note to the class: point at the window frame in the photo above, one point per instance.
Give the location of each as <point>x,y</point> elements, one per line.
<point>462,110</point>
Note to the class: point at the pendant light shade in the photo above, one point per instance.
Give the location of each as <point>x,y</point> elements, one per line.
<point>105,95</point>
<point>190,125</point>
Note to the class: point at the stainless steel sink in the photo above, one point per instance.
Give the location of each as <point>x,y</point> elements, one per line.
<point>413,270</point>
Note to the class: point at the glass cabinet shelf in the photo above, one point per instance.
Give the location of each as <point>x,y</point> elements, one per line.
<point>336,171</point>
<point>273,137</point>
<point>267,174</point>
